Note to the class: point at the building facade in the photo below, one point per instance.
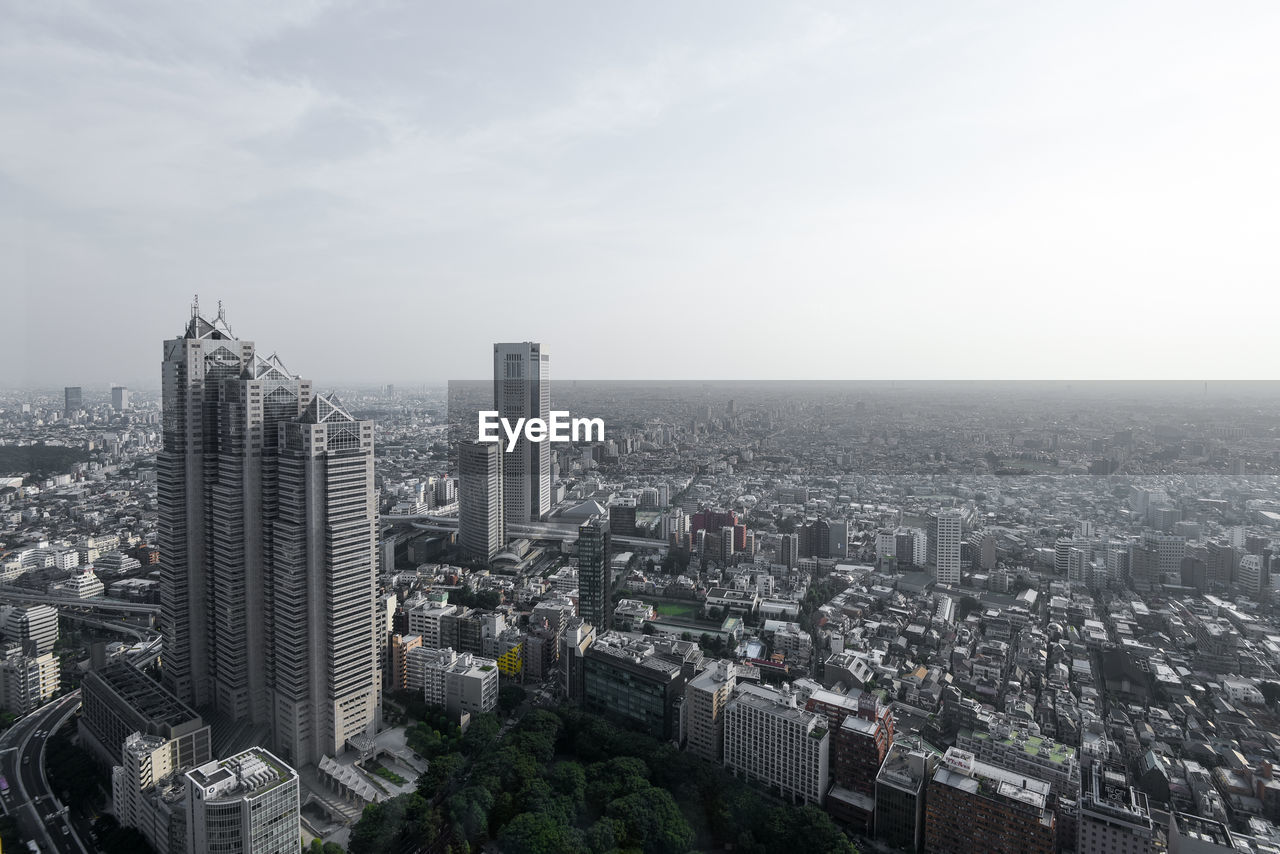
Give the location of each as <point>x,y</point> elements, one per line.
<point>522,389</point>
<point>770,740</point>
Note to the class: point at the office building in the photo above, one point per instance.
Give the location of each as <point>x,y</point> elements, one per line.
<point>595,588</point>
<point>769,739</point>
<point>401,646</point>
<point>974,806</point>
<point>522,389</point>
<point>267,535</point>
<point>705,698</point>
<point>859,744</point>
<point>481,524</point>
<point>631,681</point>
<point>246,803</point>
<point>73,400</point>
<point>34,628</point>
<point>944,543</point>
<point>1113,817</point>
<point>471,685</point>
<point>119,700</point>
<point>426,618</point>
<point>900,793</point>
<point>119,398</point>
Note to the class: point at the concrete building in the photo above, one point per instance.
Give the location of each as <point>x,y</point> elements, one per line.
<point>522,389</point>
<point>631,681</point>
<point>471,685</point>
<point>595,587</point>
<point>973,806</point>
<point>481,522</point>
<point>900,793</point>
<point>33,627</point>
<point>72,400</point>
<point>120,398</point>
<point>267,534</point>
<point>119,700</point>
<point>246,803</point>
<point>148,795</point>
<point>768,738</point>
<point>705,698</point>
<point>944,542</point>
<point>426,618</point>
<point>1016,746</point>
<point>401,646</point>
<point>27,681</point>
<point>1113,816</point>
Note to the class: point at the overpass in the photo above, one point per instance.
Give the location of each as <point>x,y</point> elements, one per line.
<point>97,603</point>
<point>438,524</point>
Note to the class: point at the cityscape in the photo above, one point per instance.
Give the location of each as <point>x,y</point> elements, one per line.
<point>731,427</point>
<point>245,614</point>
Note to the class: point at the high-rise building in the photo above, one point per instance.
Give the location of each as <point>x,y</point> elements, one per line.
<point>769,739</point>
<point>147,794</point>
<point>945,533</point>
<point>325,585</point>
<point>72,400</point>
<point>522,389</point>
<point>27,681</point>
<point>481,522</point>
<point>705,697</point>
<point>267,533</point>
<point>594,587</point>
<point>34,628</point>
<point>248,802</point>
<point>900,792</point>
<point>119,700</point>
<point>119,398</point>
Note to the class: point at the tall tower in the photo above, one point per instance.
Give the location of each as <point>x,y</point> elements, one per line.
<point>72,400</point>
<point>267,531</point>
<point>481,525</point>
<point>522,389</point>
<point>324,583</point>
<point>947,526</point>
<point>594,594</point>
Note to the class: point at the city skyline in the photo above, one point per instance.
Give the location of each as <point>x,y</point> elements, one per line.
<point>1004,191</point>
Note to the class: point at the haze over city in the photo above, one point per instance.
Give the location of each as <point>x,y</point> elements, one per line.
<point>735,190</point>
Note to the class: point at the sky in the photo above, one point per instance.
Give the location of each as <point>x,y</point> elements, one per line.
<point>378,191</point>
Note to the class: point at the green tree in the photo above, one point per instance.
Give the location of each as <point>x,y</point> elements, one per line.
<point>510,697</point>
<point>535,833</point>
<point>653,822</point>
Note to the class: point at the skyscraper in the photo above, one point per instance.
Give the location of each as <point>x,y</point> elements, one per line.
<point>522,389</point>
<point>72,400</point>
<point>481,526</point>
<point>267,529</point>
<point>594,593</point>
<point>945,525</point>
<point>119,398</point>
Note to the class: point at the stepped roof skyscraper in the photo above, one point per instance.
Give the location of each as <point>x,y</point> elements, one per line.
<point>267,529</point>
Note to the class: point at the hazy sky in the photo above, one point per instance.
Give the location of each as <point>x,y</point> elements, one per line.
<point>378,190</point>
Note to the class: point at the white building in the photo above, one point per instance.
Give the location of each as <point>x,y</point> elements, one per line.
<point>146,793</point>
<point>247,803</point>
<point>705,698</point>
<point>34,628</point>
<point>81,585</point>
<point>769,739</point>
<point>946,530</point>
<point>424,619</point>
<point>27,681</point>
<point>471,685</point>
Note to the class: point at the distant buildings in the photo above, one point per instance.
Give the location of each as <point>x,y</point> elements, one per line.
<point>73,400</point>
<point>119,398</point>
<point>481,522</point>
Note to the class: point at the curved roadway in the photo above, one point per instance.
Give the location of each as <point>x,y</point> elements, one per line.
<point>29,798</point>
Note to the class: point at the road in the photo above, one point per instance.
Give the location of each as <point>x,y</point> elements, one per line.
<point>30,798</point>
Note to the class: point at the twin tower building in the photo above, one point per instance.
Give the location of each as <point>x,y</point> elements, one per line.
<point>268,533</point>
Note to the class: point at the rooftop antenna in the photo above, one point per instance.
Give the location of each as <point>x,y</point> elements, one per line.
<point>195,306</point>
<point>221,316</point>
